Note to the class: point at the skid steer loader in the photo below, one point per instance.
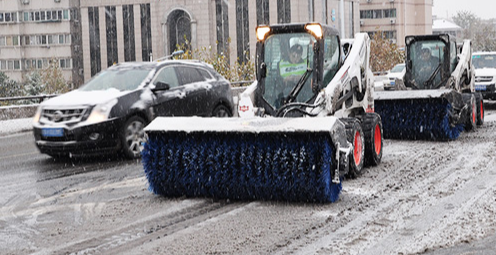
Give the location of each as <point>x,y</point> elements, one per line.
<point>437,99</point>
<point>305,123</point>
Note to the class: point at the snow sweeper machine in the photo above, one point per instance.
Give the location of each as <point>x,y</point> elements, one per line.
<point>436,100</point>
<point>306,122</point>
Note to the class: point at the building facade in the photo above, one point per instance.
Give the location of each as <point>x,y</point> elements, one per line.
<point>87,36</point>
<point>34,33</point>
<point>396,18</point>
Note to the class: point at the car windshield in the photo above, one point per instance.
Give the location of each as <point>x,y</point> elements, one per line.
<point>398,68</point>
<point>484,61</point>
<point>120,79</point>
<point>288,57</point>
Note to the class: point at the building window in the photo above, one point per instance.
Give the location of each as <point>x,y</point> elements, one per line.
<point>378,14</point>
<point>222,25</point>
<point>111,30</point>
<point>9,41</point>
<point>283,11</point>
<point>179,30</point>
<point>8,17</point>
<point>242,30</point>
<point>128,25</point>
<point>94,29</point>
<point>391,13</point>
<point>146,33</point>
<point>391,34</point>
<point>65,63</point>
<point>263,12</point>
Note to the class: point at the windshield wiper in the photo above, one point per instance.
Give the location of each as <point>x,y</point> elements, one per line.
<point>297,88</point>
<point>431,78</point>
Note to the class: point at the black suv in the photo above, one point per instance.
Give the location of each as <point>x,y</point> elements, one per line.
<point>108,113</point>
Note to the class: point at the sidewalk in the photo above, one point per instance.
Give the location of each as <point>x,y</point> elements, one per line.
<point>8,127</point>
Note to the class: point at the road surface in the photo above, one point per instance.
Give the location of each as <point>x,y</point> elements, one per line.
<point>424,198</point>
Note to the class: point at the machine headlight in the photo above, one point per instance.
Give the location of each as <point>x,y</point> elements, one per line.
<point>101,112</point>
<point>316,29</point>
<point>261,32</point>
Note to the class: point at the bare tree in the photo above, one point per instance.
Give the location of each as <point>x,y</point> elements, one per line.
<point>468,21</point>
<point>384,54</point>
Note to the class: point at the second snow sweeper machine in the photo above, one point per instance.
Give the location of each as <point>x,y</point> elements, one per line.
<point>436,99</point>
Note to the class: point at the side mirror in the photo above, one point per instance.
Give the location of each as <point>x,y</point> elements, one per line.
<point>263,70</point>
<point>161,86</point>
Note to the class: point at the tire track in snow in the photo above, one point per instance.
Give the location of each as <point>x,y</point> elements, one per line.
<point>348,218</point>
<point>151,228</point>
<point>401,199</point>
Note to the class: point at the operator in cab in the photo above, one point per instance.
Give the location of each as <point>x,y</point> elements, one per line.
<point>292,70</point>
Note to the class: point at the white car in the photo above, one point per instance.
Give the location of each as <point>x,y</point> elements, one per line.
<point>397,72</point>
<point>485,73</point>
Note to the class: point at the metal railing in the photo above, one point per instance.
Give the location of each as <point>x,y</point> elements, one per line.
<point>36,99</point>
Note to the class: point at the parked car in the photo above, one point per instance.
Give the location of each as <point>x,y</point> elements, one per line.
<point>109,112</point>
<point>485,73</point>
<point>397,72</point>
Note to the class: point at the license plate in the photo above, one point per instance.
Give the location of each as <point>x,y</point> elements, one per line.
<point>52,132</point>
<point>480,87</point>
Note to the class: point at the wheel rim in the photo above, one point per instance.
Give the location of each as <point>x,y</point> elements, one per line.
<point>377,139</point>
<point>474,113</point>
<point>481,110</point>
<point>357,151</point>
<point>135,136</point>
<point>221,112</point>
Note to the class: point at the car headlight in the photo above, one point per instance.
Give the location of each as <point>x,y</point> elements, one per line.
<point>101,112</point>
<point>37,115</point>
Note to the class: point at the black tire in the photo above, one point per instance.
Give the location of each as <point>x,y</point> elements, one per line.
<point>132,137</point>
<point>471,118</point>
<point>354,135</point>
<point>480,108</point>
<point>372,131</point>
<point>221,111</point>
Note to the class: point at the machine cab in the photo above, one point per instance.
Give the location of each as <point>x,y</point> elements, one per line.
<point>430,61</point>
<point>295,61</point>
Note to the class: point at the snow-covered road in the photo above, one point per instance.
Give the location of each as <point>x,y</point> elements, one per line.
<point>425,197</point>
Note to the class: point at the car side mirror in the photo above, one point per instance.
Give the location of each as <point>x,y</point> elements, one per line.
<point>161,86</point>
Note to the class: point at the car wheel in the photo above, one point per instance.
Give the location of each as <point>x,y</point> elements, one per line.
<point>221,111</point>
<point>133,137</point>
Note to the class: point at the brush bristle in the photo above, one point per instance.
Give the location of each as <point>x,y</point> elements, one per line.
<point>246,166</point>
<point>423,119</point>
